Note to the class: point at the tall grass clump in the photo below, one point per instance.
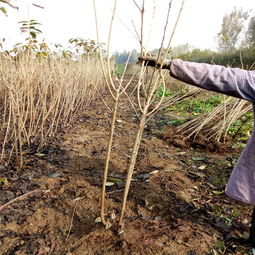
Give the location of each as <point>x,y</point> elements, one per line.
<point>216,124</point>
<point>38,95</point>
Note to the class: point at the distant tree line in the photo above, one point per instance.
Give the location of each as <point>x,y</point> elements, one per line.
<point>244,58</point>
<point>236,43</point>
<point>123,57</point>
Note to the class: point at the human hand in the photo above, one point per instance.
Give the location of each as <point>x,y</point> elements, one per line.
<point>152,61</point>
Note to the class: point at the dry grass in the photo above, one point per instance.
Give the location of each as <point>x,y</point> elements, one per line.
<point>215,124</point>
<point>39,95</point>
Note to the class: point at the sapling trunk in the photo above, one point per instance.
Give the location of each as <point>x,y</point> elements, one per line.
<point>137,146</point>
<point>151,89</point>
<point>107,161</point>
<point>116,90</point>
<point>132,166</point>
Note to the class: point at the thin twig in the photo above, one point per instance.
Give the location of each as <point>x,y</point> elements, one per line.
<point>71,223</point>
<point>139,8</point>
<point>241,59</point>
<point>136,32</point>
<point>107,161</point>
<point>107,106</point>
<point>10,4</point>
<point>250,68</point>
<point>128,29</point>
<point>142,24</point>
<point>151,25</point>
<point>109,43</point>
<point>21,197</point>
<point>164,34</point>
<point>175,26</point>
<point>114,191</point>
<point>100,52</point>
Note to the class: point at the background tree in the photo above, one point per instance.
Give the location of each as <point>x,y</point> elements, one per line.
<point>250,36</point>
<point>122,57</point>
<point>85,47</point>
<point>231,29</point>
<point>9,3</point>
<point>181,49</point>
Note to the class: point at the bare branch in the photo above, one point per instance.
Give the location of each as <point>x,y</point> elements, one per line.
<point>37,5</point>
<point>164,33</point>
<point>175,26</point>
<point>21,197</point>
<point>109,43</point>
<point>100,53</point>
<point>128,29</point>
<point>136,32</point>
<point>139,8</point>
<point>71,223</point>
<point>9,3</point>
<point>142,23</point>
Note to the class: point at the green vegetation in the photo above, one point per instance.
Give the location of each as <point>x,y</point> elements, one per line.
<point>194,106</point>
<point>242,128</point>
<point>236,43</point>
<point>123,57</point>
<point>160,91</point>
<point>86,47</point>
<point>205,103</point>
<point>119,70</point>
<point>4,182</point>
<point>231,28</point>
<point>250,37</point>
<point>243,58</point>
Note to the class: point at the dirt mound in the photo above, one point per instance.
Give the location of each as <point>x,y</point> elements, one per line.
<point>199,141</point>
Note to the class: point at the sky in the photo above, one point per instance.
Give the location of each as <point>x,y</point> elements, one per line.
<point>61,20</point>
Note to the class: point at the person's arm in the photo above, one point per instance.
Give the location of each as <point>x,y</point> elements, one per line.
<point>231,81</point>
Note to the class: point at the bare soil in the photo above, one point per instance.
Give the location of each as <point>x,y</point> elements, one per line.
<point>175,206</point>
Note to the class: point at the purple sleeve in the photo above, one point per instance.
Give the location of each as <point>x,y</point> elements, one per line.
<point>230,81</point>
